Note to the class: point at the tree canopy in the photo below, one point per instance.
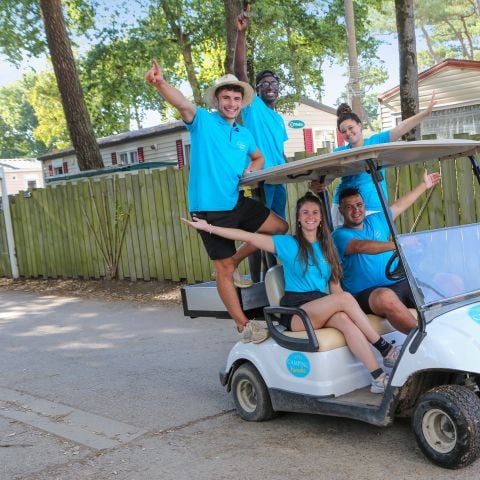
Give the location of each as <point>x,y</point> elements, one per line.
<point>297,38</point>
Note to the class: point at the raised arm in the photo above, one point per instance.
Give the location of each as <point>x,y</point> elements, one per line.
<point>239,59</point>
<point>259,240</point>
<point>406,125</point>
<point>429,181</point>
<point>173,96</point>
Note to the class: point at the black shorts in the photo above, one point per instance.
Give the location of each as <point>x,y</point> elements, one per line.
<point>402,289</point>
<point>248,215</point>
<point>297,299</point>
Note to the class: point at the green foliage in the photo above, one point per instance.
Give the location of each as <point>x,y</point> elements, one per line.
<point>21,29</point>
<point>450,28</point>
<point>46,103</point>
<point>18,121</point>
<point>298,38</point>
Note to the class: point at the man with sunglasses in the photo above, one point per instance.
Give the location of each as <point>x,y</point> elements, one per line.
<point>260,117</point>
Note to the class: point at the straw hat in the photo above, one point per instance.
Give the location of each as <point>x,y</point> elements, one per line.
<point>229,79</point>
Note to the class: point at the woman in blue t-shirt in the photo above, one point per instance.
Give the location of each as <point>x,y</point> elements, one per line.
<point>351,128</point>
<point>311,269</point>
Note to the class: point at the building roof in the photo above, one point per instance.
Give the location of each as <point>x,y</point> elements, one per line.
<point>318,105</point>
<point>123,138</point>
<point>20,164</point>
<point>446,64</point>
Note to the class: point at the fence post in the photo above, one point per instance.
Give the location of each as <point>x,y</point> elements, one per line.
<point>8,226</point>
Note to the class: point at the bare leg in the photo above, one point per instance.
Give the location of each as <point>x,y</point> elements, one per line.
<point>272,225</point>
<point>385,302</point>
<point>322,309</point>
<point>356,341</point>
<point>226,289</point>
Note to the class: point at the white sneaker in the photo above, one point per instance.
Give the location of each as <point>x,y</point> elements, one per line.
<point>240,281</point>
<point>380,383</point>
<point>253,332</point>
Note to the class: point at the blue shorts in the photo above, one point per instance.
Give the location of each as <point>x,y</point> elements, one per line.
<point>276,198</point>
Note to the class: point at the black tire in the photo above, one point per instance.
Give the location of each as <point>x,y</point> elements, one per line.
<point>250,394</point>
<point>446,423</point>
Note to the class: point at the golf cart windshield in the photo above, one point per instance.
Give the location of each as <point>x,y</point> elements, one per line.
<point>443,264</point>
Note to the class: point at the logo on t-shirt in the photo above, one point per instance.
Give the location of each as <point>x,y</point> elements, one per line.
<point>241,145</point>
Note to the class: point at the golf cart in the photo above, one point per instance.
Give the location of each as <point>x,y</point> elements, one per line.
<point>436,380</point>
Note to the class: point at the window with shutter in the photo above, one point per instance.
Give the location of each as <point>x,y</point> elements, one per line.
<point>114,158</point>
<point>308,140</point>
<point>180,156</point>
<point>140,157</point>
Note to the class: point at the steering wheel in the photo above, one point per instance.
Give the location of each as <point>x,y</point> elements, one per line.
<point>398,273</point>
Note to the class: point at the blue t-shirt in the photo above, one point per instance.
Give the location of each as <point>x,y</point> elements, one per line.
<point>268,130</point>
<point>363,181</point>
<point>219,155</point>
<point>361,271</point>
<point>296,278</point>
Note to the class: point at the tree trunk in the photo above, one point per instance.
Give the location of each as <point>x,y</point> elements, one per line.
<point>232,10</point>
<point>76,113</point>
<point>408,63</point>
<point>354,86</point>
<point>186,50</point>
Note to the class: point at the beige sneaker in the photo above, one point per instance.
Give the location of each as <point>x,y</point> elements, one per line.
<point>253,332</point>
<point>240,281</point>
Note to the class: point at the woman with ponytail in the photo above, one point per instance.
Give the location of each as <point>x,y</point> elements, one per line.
<point>311,269</point>
<point>351,128</point>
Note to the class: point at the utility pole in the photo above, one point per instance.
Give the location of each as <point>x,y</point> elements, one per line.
<point>404,11</point>
<point>354,87</point>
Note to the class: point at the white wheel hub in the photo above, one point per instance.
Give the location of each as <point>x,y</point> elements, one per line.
<point>247,396</point>
<point>439,430</point>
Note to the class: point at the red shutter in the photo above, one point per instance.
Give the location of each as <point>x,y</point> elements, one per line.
<point>308,140</point>
<point>340,140</point>
<point>114,158</point>
<point>65,167</point>
<point>50,170</point>
<point>180,157</point>
<point>140,154</point>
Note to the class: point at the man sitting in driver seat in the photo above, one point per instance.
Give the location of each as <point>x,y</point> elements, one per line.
<point>364,249</point>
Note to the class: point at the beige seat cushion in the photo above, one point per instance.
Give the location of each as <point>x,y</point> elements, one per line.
<point>331,338</point>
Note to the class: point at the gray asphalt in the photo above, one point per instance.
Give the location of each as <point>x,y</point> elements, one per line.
<point>111,390</point>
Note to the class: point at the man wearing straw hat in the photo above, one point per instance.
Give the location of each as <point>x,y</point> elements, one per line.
<point>221,153</point>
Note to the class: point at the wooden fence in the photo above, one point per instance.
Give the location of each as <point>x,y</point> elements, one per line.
<point>59,230</point>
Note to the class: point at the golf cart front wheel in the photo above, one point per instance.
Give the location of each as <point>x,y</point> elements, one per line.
<point>250,394</point>
<point>446,423</point>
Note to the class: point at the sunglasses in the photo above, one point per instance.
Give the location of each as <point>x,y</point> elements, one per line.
<point>266,84</point>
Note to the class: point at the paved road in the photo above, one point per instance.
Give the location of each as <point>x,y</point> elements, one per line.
<point>109,390</point>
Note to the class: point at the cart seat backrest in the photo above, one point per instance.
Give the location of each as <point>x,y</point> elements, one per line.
<point>328,338</point>
<point>274,285</point>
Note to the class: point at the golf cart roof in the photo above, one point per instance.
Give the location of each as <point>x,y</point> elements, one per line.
<point>352,161</point>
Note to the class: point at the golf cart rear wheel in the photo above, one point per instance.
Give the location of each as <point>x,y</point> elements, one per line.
<point>250,394</point>
<point>446,423</point>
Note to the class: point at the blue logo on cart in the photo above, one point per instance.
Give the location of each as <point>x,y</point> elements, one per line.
<point>474,313</point>
<point>296,123</point>
<point>298,364</point>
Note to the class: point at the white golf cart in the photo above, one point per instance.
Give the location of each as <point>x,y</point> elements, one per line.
<point>437,378</point>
